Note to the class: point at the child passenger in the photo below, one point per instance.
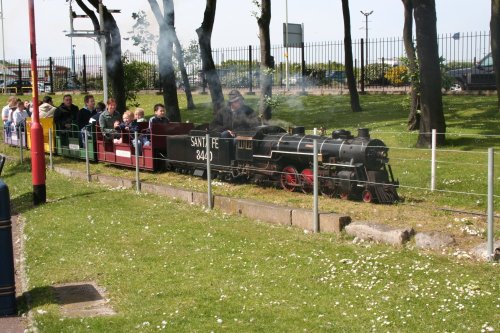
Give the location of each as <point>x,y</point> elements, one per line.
<point>159,117</point>
<point>128,124</point>
<point>139,115</point>
<point>19,116</point>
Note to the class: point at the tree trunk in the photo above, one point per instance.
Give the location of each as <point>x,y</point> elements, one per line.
<point>413,117</point>
<point>432,116</point>
<point>349,67</point>
<point>165,54</point>
<point>495,42</point>
<point>266,60</point>
<point>185,79</point>
<point>204,33</point>
<point>113,51</point>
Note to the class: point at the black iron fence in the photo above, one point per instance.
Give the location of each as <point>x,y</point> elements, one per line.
<point>379,64</point>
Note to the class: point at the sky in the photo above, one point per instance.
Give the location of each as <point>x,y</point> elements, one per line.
<point>234,23</point>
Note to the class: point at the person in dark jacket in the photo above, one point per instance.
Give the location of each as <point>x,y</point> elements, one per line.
<point>65,114</point>
<point>236,117</point>
<point>86,112</point>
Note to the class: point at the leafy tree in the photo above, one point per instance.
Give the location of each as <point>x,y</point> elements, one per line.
<point>432,116</point>
<point>495,42</point>
<point>135,78</point>
<point>204,33</point>
<point>413,117</point>
<point>349,67</point>
<point>165,53</point>
<point>113,49</point>
<point>266,60</point>
<point>142,37</point>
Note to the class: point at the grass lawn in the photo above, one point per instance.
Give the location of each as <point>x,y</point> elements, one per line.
<point>169,266</point>
<point>472,127</point>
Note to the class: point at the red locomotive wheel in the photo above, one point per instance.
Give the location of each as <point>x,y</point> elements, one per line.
<point>289,178</point>
<point>307,180</point>
<point>367,196</point>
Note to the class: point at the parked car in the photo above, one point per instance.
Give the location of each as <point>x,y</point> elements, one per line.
<point>481,76</point>
<point>338,76</point>
<point>25,85</point>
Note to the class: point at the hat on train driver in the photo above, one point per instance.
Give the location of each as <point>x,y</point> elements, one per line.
<point>234,95</point>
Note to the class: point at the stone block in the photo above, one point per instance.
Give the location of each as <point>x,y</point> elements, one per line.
<point>265,212</point>
<point>178,193</point>
<point>227,205</point>
<point>110,180</point>
<point>433,240</point>
<point>333,222</point>
<point>200,199</point>
<point>63,171</point>
<point>379,232</point>
<point>152,188</point>
<point>481,251</point>
<point>303,219</point>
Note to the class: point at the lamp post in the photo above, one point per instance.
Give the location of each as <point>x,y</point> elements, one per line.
<point>366,14</point>
<point>37,150</point>
<point>287,63</point>
<point>3,47</point>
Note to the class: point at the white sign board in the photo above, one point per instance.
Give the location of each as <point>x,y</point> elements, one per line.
<point>295,35</point>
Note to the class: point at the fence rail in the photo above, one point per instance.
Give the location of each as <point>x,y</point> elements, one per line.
<point>311,65</point>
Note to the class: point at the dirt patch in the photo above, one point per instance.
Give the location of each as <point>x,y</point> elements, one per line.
<point>82,299</point>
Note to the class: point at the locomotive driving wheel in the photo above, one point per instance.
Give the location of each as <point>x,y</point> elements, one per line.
<point>289,178</point>
<point>307,180</point>
<point>367,196</point>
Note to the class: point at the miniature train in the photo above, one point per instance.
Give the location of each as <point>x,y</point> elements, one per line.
<point>350,167</point>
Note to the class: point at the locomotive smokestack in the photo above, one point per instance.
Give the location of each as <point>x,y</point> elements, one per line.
<point>364,133</point>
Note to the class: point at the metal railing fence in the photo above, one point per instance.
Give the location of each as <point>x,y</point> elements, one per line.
<point>311,65</point>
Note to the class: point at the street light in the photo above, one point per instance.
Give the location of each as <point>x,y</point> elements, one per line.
<point>366,31</point>
<point>3,47</point>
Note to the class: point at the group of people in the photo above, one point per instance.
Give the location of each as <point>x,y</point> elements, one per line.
<point>15,113</point>
<point>237,116</point>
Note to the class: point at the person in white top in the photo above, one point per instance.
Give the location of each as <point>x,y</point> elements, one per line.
<point>11,104</point>
<point>19,116</point>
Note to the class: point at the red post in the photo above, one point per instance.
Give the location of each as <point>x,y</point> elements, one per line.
<point>37,151</point>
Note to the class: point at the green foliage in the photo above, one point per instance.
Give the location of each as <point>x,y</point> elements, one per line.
<point>135,78</point>
<point>141,35</point>
<point>397,75</point>
<point>375,73</point>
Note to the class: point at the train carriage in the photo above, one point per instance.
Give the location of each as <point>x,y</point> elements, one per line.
<point>71,143</point>
<point>47,125</point>
<point>12,136</point>
<point>151,156</point>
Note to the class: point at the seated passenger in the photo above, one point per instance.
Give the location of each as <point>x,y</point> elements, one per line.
<point>7,110</point>
<point>19,116</point>
<point>128,124</point>
<point>47,108</point>
<point>99,108</point>
<point>159,117</point>
<point>86,112</point>
<point>107,120</point>
<point>139,115</point>
<point>65,114</point>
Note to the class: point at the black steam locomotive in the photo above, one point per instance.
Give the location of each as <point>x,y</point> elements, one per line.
<point>349,167</point>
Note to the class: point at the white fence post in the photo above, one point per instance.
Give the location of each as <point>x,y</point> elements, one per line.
<point>209,172</point>
<point>491,177</point>
<point>136,150</point>
<point>315,186</point>
<point>433,161</point>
